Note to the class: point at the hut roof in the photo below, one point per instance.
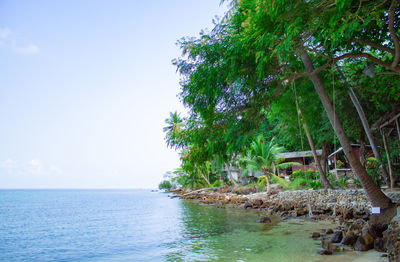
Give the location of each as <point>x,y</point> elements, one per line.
<point>387,119</point>
<point>298,154</point>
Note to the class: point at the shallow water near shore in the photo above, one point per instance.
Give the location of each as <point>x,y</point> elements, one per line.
<point>138,225</point>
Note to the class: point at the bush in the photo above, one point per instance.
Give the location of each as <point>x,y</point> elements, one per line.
<point>165,185</point>
<point>216,183</point>
<point>373,170</point>
<point>305,179</point>
<point>308,175</point>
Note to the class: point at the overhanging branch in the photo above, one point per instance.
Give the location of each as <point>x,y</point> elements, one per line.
<point>393,34</point>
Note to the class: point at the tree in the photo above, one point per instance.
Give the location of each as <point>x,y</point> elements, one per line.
<point>173,130</point>
<point>263,157</point>
<point>165,185</point>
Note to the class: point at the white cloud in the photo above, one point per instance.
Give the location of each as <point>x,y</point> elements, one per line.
<point>4,32</point>
<point>28,50</point>
<point>8,164</point>
<point>55,170</point>
<point>34,166</point>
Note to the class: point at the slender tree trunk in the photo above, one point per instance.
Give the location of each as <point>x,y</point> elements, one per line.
<point>205,178</point>
<point>374,193</point>
<point>322,174</point>
<point>324,156</point>
<point>362,150</point>
<point>230,174</point>
<point>365,124</point>
<point>385,144</point>
<point>266,174</point>
<point>398,127</point>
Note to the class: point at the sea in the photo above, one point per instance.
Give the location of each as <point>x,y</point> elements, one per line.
<point>140,225</point>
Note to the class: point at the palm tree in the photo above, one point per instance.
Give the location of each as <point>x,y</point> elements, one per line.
<point>263,157</point>
<point>173,129</point>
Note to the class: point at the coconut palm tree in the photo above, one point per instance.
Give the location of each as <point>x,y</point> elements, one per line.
<point>263,157</point>
<point>173,129</point>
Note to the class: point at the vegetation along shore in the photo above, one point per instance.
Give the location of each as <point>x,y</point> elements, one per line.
<point>293,108</point>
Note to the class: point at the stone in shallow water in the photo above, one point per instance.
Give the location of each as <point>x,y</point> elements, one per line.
<point>332,247</point>
<point>325,252</point>
<point>315,234</point>
<point>337,237</point>
<point>264,220</point>
<point>329,231</point>
<point>361,245</point>
<point>349,240</point>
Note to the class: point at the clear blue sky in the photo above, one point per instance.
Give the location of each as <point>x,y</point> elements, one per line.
<point>85,86</point>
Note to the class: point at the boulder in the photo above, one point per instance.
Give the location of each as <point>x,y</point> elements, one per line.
<point>315,234</point>
<point>349,240</point>
<point>337,237</point>
<point>332,247</point>
<point>247,205</point>
<point>264,220</point>
<point>329,231</point>
<point>379,245</point>
<point>301,211</point>
<point>257,203</point>
<point>325,252</point>
<point>361,244</point>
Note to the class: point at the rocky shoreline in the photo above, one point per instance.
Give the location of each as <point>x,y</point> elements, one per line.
<point>350,209</point>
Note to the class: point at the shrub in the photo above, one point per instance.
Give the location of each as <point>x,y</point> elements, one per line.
<point>216,183</point>
<point>373,170</point>
<point>165,185</point>
<point>305,179</point>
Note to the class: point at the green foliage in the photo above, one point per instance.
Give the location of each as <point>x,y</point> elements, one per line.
<point>165,185</point>
<point>374,170</point>
<point>242,80</point>
<point>216,183</point>
<point>307,175</point>
<point>305,179</point>
<point>343,181</point>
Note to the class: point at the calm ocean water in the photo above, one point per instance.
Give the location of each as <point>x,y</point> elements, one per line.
<point>138,225</point>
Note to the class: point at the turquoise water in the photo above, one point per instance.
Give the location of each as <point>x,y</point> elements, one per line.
<point>137,225</point>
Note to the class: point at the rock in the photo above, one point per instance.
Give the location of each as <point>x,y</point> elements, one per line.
<point>257,203</point>
<point>324,243</point>
<point>392,243</point>
<point>332,247</point>
<point>337,237</point>
<point>315,234</point>
<point>349,240</point>
<point>366,216</point>
<point>329,231</point>
<point>247,205</point>
<point>379,245</point>
<point>301,211</point>
<point>367,237</point>
<point>325,252</point>
<point>361,245</point>
<point>376,231</point>
<point>264,220</point>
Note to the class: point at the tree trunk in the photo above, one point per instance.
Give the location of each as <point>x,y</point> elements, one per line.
<point>365,124</point>
<point>205,178</point>
<point>362,150</point>
<point>266,174</point>
<point>374,193</point>
<point>385,144</point>
<point>322,174</point>
<point>230,175</point>
<point>324,156</point>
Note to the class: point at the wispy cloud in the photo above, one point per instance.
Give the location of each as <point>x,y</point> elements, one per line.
<point>28,50</point>
<point>8,164</point>
<point>34,166</point>
<point>4,32</point>
<point>12,41</point>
